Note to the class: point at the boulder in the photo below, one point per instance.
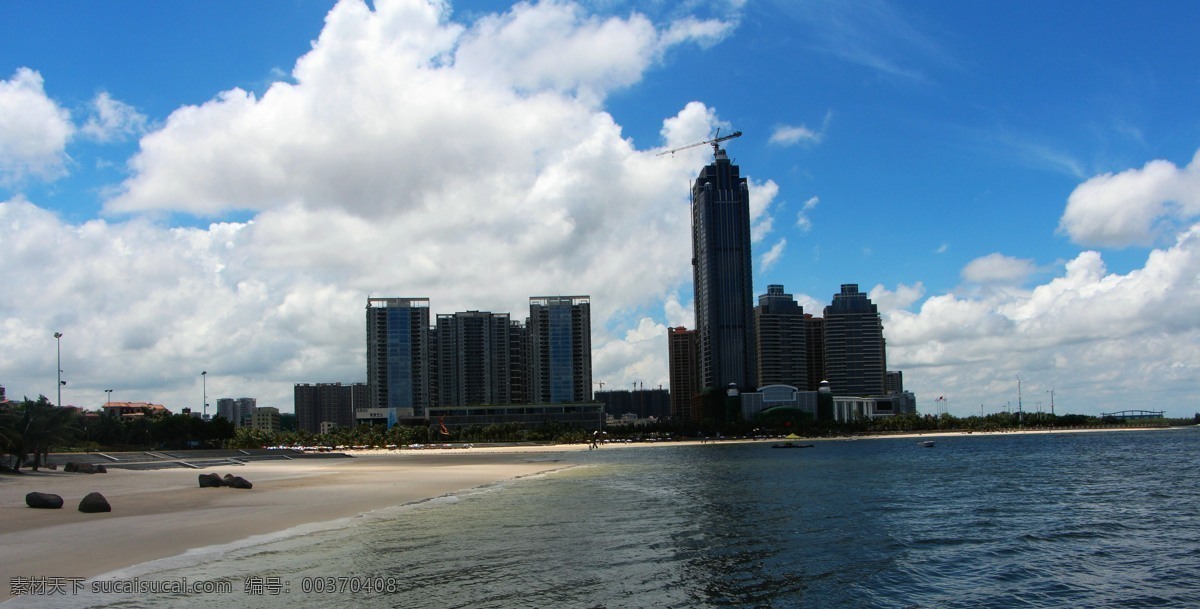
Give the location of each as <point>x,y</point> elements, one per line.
<point>239,482</point>
<point>100,469</point>
<point>85,468</point>
<point>71,467</point>
<point>43,501</point>
<point>211,481</point>
<point>51,466</point>
<point>94,503</point>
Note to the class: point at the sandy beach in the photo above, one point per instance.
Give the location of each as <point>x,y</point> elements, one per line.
<point>162,513</point>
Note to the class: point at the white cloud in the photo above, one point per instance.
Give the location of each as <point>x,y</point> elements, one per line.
<point>34,130</point>
<point>1125,340</point>
<point>555,46</point>
<point>639,355</point>
<point>393,107</point>
<point>704,32</point>
<point>790,135</point>
<point>1134,207</point>
<point>996,268</point>
<point>678,314</point>
<point>803,222</point>
<point>762,195</point>
<point>772,256</point>
<point>902,298</point>
<point>113,120</point>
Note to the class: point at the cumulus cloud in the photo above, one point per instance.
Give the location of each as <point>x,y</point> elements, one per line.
<point>903,297</point>
<point>1135,206</point>
<point>1081,331</point>
<point>1121,339</point>
<point>34,130</point>
<point>638,355</point>
<point>678,314</point>
<point>393,106</point>
<point>996,268</point>
<point>387,167</point>
<point>113,120</point>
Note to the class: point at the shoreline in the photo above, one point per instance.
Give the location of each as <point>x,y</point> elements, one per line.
<point>159,514</point>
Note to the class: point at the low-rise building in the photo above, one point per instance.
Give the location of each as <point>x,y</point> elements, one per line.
<point>778,396</point>
<point>849,408</point>
<point>133,410</point>
<point>587,416</point>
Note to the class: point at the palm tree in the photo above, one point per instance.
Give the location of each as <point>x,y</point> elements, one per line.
<point>42,426</point>
<point>9,436</point>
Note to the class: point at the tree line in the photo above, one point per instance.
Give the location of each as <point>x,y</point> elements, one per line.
<point>31,429</point>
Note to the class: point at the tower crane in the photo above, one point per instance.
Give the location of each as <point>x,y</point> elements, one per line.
<point>715,141</point>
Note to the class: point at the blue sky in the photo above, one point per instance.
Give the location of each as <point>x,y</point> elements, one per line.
<point>197,186</point>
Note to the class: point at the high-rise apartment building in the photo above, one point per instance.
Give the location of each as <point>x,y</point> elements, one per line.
<point>473,355</point>
<point>722,279</point>
<point>327,405</point>
<point>518,360</point>
<point>238,411</point>
<point>560,354</point>
<point>683,370</point>
<point>398,366</point>
<point>780,328</point>
<point>225,408</point>
<point>854,348</point>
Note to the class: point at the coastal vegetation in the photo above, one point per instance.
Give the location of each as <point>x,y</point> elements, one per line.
<point>31,429</point>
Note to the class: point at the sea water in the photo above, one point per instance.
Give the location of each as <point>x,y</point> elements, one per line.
<point>1063,520</point>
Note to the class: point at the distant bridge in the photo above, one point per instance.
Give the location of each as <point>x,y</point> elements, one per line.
<point>1134,414</point>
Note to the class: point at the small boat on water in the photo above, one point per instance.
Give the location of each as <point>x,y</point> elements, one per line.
<point>791,445</point>
<point>927,443</point>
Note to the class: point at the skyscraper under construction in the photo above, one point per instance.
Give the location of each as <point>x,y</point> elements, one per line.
<point>721,275</point>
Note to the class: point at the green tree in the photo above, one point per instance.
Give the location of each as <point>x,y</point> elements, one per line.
<point>248,437</point>
<point>40,426</point>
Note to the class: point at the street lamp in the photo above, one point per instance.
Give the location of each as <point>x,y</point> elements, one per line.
<point>58,340</point>
<point>204,388</point>
<point>108,402</point>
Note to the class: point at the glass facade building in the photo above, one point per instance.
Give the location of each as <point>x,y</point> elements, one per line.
<point>722,278</point>
<point>398,356</point>
<point>560,337</point>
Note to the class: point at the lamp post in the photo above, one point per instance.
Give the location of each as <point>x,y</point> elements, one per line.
<point>204,388</point>
<point>108,401</point>
<point>58,340</point>
<point>1020,411</point>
